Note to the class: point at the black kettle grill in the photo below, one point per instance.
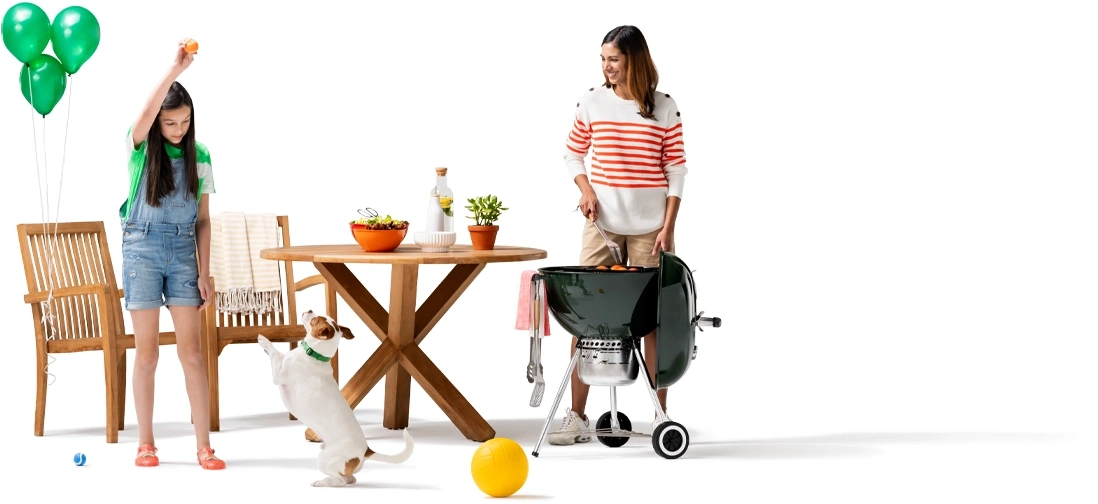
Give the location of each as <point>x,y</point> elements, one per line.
<point>609,311</point>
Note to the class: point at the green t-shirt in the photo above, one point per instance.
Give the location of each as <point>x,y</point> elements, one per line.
<point>137,157</point>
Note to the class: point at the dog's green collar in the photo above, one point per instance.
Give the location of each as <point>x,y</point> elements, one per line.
<point>311,353</point>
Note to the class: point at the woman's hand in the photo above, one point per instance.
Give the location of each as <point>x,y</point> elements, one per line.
<point>183,58</point>
<point>665,240</point>
<point>589,205</point>
<point>204,291</point>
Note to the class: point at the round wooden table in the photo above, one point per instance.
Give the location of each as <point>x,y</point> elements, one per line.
<point>400,329</point>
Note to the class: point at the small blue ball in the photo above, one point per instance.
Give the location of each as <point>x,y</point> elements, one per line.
<point>79,459</point>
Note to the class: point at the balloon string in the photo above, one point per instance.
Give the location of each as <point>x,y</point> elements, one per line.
<point>56,214</point>
<point>64,156</point>
<point>48,318</point>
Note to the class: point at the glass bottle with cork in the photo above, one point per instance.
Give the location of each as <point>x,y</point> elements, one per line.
<point>440,212</point>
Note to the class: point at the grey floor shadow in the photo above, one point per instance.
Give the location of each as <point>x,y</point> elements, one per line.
<point>641,447</point>
<point>171,430</point>
<point>775,451</point>
<point>363,484</point>
<point>305,463</point>
<point>854,444</point>
<point>278,463</point>
<point>162,430</point>
<point>826,446</point>
<point>523,431</point>
<point>885,438</point>
<point>278,420</point>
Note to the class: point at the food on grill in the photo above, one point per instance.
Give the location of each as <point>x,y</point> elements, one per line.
<point>616,267</point>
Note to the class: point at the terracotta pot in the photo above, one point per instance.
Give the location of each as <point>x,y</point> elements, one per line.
<point>483,237</point>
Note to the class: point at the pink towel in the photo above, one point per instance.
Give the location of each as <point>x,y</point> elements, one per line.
<point>522,320</point>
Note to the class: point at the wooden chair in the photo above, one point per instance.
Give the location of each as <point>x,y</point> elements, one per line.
<point>86,308</point>
<point>224,329</point>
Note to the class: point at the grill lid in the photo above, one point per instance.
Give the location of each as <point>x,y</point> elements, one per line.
<point>675,320</point>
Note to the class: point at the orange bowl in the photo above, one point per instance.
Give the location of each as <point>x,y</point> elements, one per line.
<point>356,227</point>
<point>378,240</point>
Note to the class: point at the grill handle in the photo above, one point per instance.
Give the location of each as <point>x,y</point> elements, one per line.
<point>700,321</point>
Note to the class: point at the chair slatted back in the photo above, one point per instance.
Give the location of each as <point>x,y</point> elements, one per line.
<point>80,257</point>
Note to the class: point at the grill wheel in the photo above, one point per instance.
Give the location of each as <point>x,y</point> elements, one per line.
<point>604,423</point>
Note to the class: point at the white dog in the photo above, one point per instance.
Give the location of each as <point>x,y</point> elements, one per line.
<point>311,393</point>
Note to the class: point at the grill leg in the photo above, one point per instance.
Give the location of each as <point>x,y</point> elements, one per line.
<point>556,401</point>
<point>651,386</point>
<point>614,425</point>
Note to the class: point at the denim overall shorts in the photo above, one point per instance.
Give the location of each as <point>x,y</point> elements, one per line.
<point>159,248</point>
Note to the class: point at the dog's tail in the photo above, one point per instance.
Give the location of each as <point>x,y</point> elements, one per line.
<point>393,459</point>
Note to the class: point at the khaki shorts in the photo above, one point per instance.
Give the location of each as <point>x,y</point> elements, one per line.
<point>637,249</point>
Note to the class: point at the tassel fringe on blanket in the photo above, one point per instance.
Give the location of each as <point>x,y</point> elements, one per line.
<point>248,300</point>
<point>245,282</point>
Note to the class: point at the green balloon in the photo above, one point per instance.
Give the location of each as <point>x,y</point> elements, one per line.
<point>43,82</point>
<point>75,37</point>
<point>26,30</point>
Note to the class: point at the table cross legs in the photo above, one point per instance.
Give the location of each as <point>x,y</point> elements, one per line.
<point>399,358</point>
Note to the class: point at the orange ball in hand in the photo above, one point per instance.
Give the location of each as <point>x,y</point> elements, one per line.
<point>191,46</point>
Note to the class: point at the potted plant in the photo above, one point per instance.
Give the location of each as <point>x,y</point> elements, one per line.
<point>486,210</point>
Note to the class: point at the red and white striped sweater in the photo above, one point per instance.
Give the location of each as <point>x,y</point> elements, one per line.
<point>637,163</point>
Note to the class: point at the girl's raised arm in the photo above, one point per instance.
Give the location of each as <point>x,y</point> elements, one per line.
<point>145,120</point>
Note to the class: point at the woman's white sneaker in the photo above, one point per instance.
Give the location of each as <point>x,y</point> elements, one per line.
<point>570,429</point>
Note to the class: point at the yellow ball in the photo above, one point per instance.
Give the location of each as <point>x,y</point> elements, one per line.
<point>500,467</point>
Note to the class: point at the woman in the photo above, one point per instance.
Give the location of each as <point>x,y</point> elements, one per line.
<point>635,183</point>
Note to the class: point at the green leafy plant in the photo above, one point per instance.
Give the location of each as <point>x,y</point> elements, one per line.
<point>486,209</point>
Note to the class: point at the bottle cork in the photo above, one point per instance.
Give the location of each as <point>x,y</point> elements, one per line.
<point>441,171</point>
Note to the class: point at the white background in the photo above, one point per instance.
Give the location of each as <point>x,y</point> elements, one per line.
<point>890,205</point>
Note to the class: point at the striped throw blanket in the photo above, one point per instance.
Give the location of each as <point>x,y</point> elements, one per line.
<point>245,283</point>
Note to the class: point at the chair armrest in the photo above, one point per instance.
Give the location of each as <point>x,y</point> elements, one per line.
<point>309,282</point>
<point>96,289</point>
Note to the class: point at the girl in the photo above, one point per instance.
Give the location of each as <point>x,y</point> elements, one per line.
<point>635,184</point>
<point>166,250</point>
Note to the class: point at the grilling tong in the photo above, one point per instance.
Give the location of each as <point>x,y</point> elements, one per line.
<point>533,369</point>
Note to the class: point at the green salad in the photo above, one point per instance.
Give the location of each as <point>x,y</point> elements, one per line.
<point>381,223</point>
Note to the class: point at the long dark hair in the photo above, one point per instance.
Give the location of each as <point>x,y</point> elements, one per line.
<point>640,72</point>
<point>158,166</point>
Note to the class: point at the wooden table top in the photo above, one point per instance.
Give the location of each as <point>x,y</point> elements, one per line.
<point>404,254</point>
